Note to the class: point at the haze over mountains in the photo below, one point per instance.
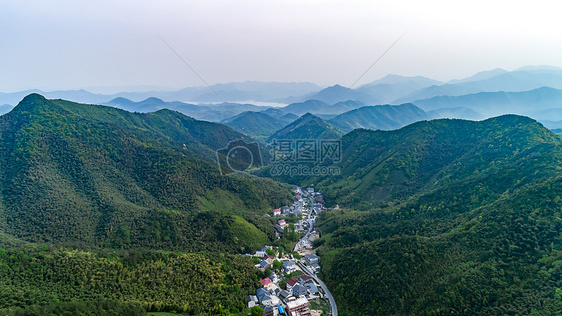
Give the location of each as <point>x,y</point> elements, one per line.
<point>532,91</point>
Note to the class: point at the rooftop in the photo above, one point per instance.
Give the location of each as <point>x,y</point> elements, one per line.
<point>292,282</point>
<point>265,281</point>
<point>292,304</point>
<point>306,277</point>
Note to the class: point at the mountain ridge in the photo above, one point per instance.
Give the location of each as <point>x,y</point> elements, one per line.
<point>457,216</point>
<point>307,126</point>
<point>122,175</point>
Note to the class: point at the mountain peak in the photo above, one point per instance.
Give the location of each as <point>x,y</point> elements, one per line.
<point>31,102</point>
<point>308,115</point>
<point>308,126</point>
<point>337,86</point>
<point>398,79</point>
<point>120,100</point>
<point>33,97</point>
<point>154,100</point>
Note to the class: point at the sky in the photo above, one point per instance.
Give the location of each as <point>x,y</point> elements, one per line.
<point>73,44</point>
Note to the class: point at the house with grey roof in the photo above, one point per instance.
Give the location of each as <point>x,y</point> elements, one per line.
<point>299,290</point>
<point>311,259</point>
<point>263,296</point>
<point>262,251</point>
<point>284,295</point>
<point>289,266</point>
<point>315,267</point>
<point>263,265</point>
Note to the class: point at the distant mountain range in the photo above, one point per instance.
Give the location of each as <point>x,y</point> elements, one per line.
<point>337,93</point>
<point>496,103</point>
<point>283,92</point>
<point>391,87</point>
<point>207,112</point>
<point>514,81</point>
<point>535,91</point>
<point>320,107</point>
<point>379,91</point>
<point>377,117</point>
<point>380,117</point>
<point>459,113</point>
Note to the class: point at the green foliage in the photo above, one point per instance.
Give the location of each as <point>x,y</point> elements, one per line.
<point>379,117</point>
<point>255,124</point>
<point>308,126</point>
<point>58,281</point>
<point>379,167</point>
<point>257,311</point>
<point>281,251</point>
<point>277,265</point>
<point>103,307</point>
<point>109,178</point>
<point>472,225</point>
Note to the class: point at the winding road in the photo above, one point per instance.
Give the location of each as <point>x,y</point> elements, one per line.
<point>333,307</point>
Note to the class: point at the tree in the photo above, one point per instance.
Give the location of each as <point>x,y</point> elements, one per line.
<point>270,252</point>
<point>277,265</point>
<point>257,311</point>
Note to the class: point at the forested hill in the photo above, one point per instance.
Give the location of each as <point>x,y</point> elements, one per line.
<point>386,165</point>
<point>469,225</point>
<point>105,177</point>
<point>255,123</point>
<point>383,117</point>
<point>308,126</point>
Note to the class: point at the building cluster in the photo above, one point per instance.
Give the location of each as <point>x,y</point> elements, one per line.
<point>306,206</point>
<point>293,300</point>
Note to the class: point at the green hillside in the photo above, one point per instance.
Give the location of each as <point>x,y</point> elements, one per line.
<point>255,124</point>
<point>380,117</point>
<point>106,177</point>
<point>49,281</point>
<point>379,166</point>
<point>308,126</point>
<point>459,218</point>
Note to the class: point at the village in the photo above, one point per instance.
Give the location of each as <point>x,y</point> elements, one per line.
<point>293,289</point>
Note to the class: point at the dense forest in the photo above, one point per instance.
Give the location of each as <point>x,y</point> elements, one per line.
<point>472,227</point>
<point>106,177</point>
<point>308,126</point>
<point>107,212</point>
<point>381,166</point>
<point>50,280</point>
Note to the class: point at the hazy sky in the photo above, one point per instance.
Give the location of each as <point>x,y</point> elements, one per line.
<point>59,44</point>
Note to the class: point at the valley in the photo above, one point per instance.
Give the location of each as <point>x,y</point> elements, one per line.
<point>151,211</point>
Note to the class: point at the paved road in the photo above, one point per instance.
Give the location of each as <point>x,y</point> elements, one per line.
<point>333,307</point>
